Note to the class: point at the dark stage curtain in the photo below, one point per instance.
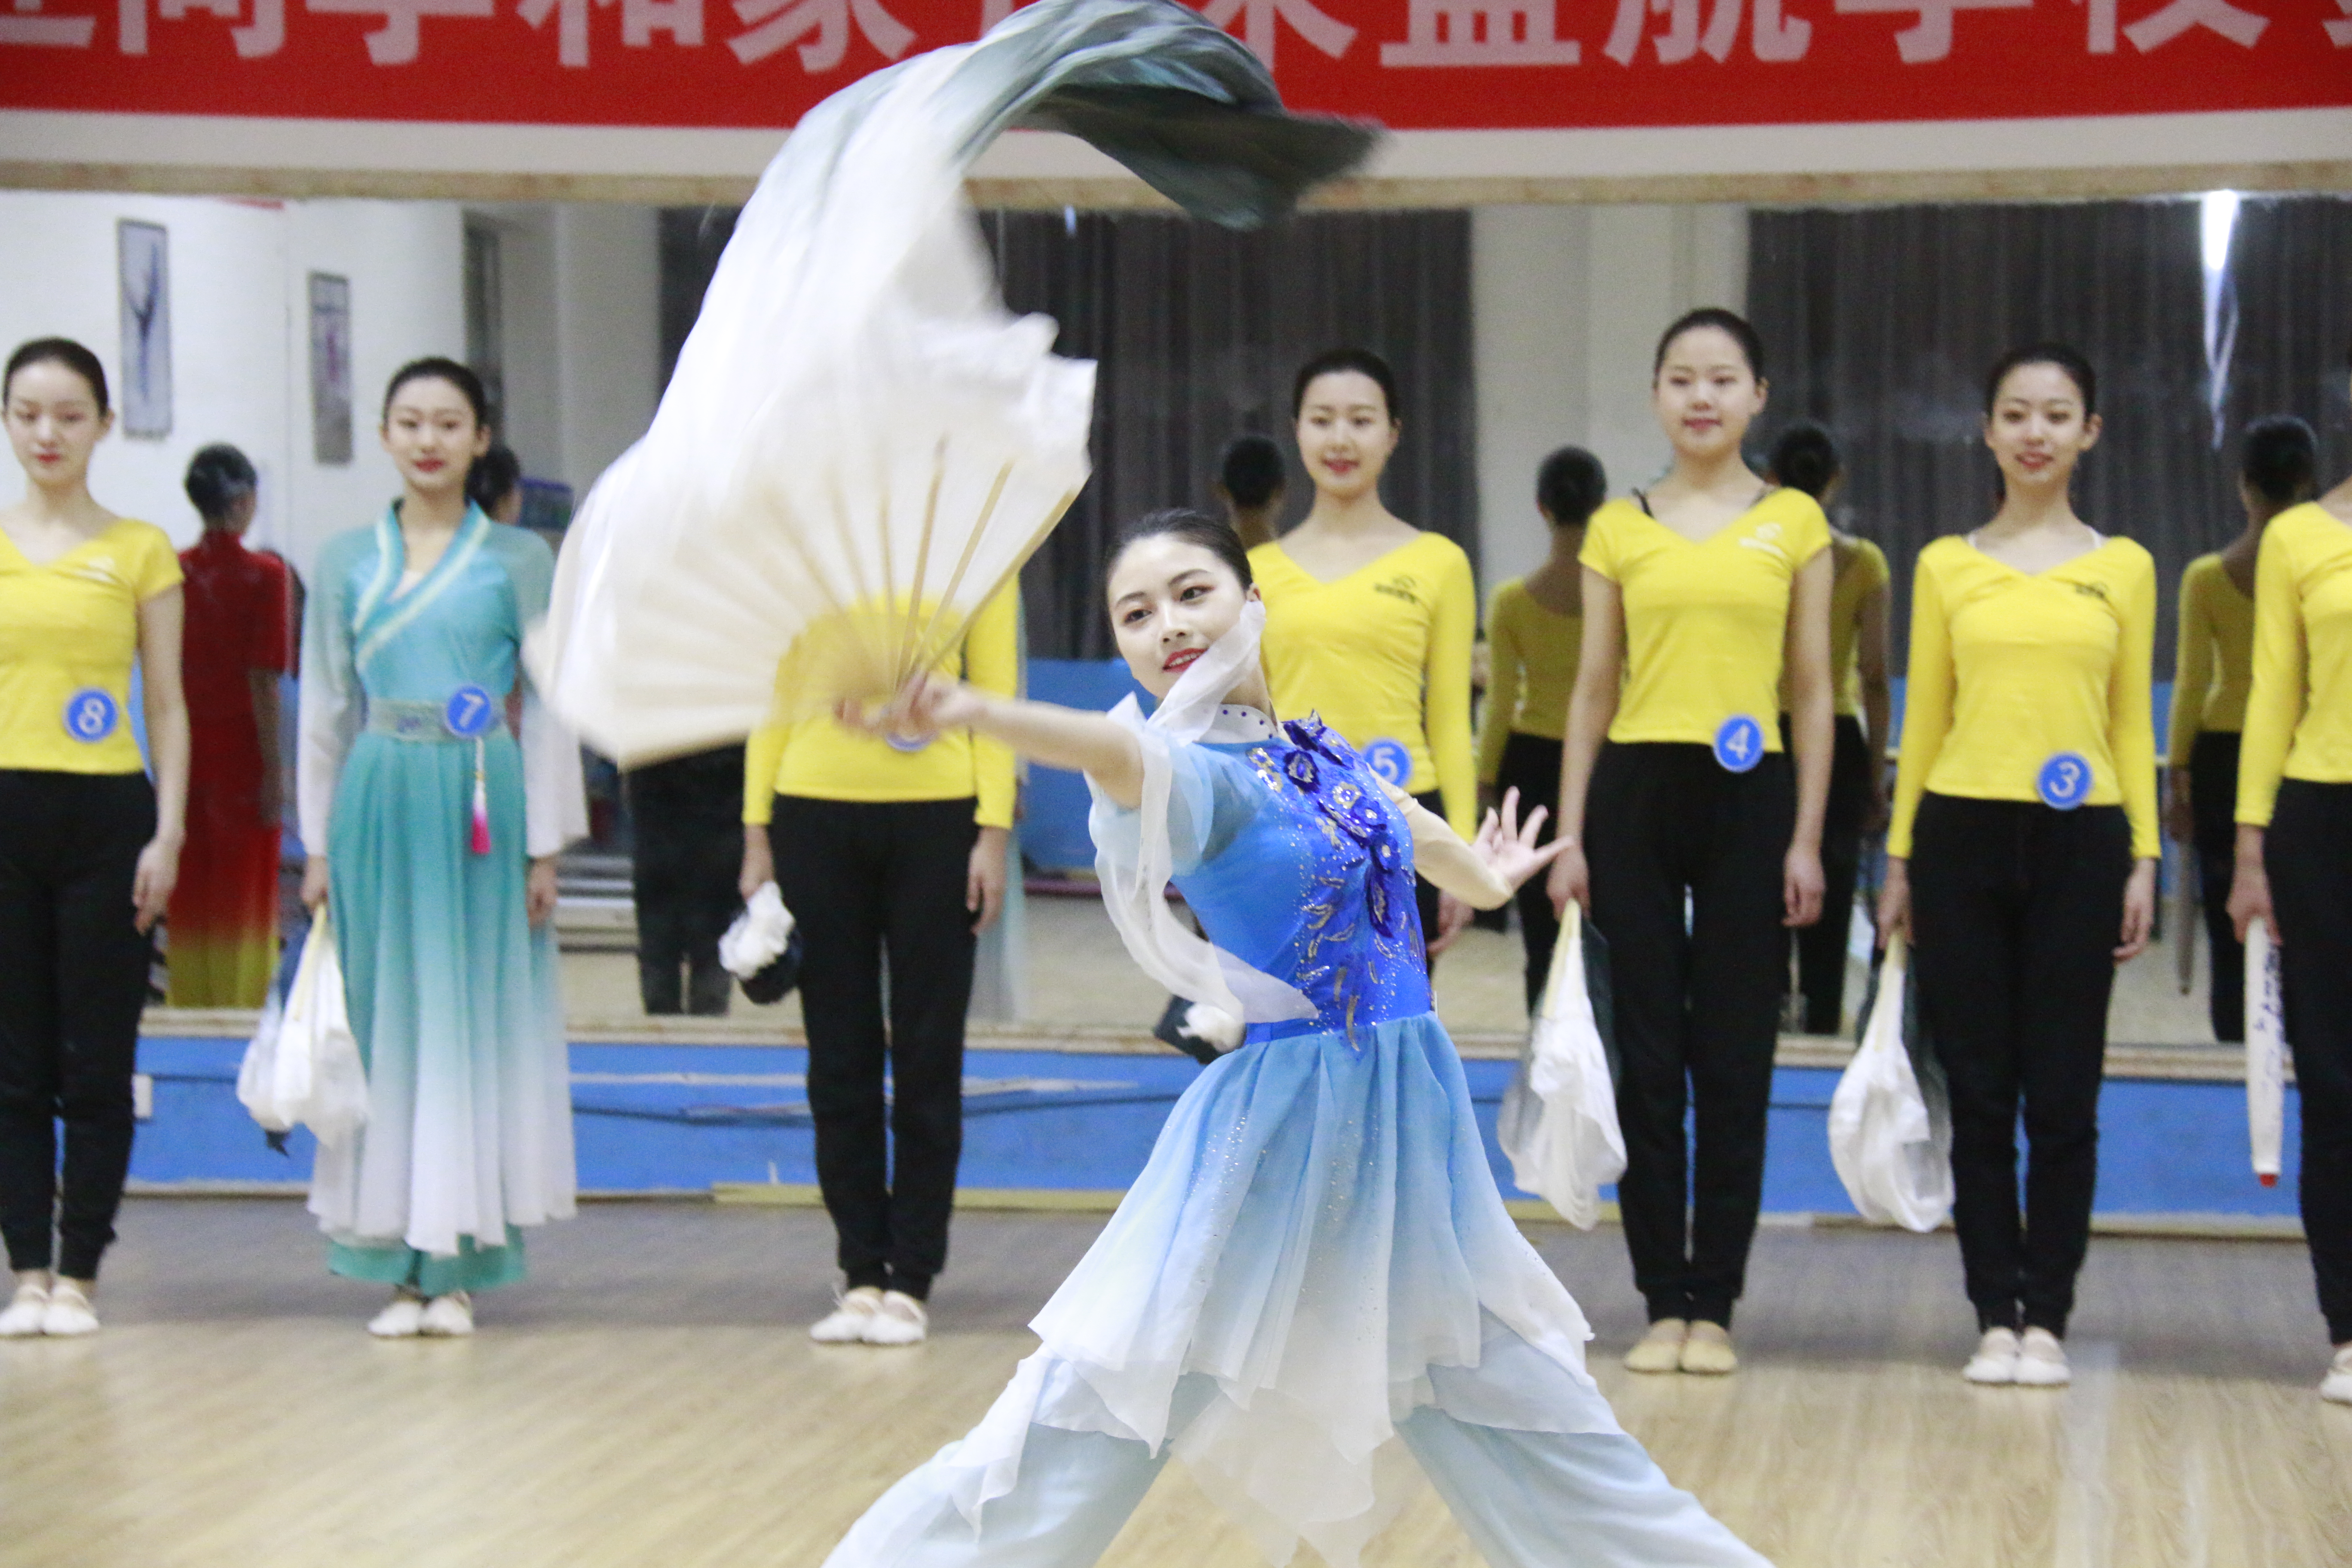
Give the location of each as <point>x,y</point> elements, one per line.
<point>1882,324</point>
<point>2290,266</point>
<point>1197,331</point>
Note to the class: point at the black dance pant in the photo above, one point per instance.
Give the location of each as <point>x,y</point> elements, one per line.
<point>2213,802</point>
<point>2016,909</point>
<point>2309,854</point>
<point>872,882</point>
<point>687,852</point>
<point>1531,765</point>
<point>1821,947</point>
<point>1698,1005</point>
<point>73,980</point>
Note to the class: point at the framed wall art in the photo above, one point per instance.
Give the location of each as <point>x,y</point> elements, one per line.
<point>330,368</point>
<point>143,274</point>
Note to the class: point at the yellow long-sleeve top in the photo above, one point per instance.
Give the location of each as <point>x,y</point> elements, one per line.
<point>2214,669</point>
<point>1383,655</point>
<point>821,760</point>
<point>2010,670</point>
<point>2299,716</point>
<point>69,635</point>
<point>1535,654</point>
<point>1706,622</point>
<point>1861,572</point>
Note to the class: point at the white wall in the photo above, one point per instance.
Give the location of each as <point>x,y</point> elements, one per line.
<point>240,345</point>
<point>1567,303</point>
<point>579,292</point>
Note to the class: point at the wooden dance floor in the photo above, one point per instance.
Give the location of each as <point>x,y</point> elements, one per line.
<point>648,1399</point>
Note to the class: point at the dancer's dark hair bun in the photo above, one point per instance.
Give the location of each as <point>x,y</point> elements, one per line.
<point>1251,470</point>
<point>2280,461</point>
<point>1805,457</point>
<point>219,476</point>
<point>1570,486</point>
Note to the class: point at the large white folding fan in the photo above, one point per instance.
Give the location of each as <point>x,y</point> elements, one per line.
<point>860,445</point>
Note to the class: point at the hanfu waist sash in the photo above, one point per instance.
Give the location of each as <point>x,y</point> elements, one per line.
<point>428,722</point>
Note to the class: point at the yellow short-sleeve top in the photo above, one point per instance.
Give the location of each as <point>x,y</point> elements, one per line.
<point>2299,715</point>
<point>2011,671</point>
<point>2214,667</point>
<point>821,760</point>
<point>1383,655</point>
<point>68,635</point>
<point>1705,623</point>
<point>1533,656</point>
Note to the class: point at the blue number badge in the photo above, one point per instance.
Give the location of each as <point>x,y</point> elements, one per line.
<point>2064,781</point>
<point>909,743</point>
<point>1392,760</point>
<point>471,714</point>
<point>1739,744</point>
<point>91,715</point>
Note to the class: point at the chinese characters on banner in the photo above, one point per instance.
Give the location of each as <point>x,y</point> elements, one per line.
<point>1411,64</point>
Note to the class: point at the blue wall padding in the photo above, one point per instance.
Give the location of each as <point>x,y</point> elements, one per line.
<point>2166,1147</point>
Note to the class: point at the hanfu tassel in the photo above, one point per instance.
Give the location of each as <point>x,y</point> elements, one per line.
<point>480,841</point>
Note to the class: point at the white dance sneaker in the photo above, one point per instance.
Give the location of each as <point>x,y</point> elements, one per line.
<point>1707,1351</point>
<point>1996,1358</point>
<point>22,1319</point>
<point>401,1319</point>
<point>70,1315</point>
<point>899,1320</point>
<point>2337,1385</point>
<point>1659,1350</point>
<point>449,1317</point>
<point>2042,1360</point>
<point>852,1311</point>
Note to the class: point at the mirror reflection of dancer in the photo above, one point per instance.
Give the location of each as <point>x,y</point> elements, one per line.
<point>2021,858</point>
<point>1251,487</point>
<point>89,850</point>
<point>1698,595</point>
<point>433,835</point>
<point>1370,620</point>
<point>2213,674</point>
<point>2294,860</point>
<point>1315,1261</point>
<point>223,918</point>
<point>1805,457</point>
<point>1535,628</point>
<point>893,857</point>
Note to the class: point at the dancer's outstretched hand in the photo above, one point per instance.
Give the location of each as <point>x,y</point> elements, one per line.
<point>1509,846</point>
<point>924,706</point>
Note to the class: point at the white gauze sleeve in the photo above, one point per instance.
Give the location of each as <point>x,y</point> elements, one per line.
<point>1135,851</point>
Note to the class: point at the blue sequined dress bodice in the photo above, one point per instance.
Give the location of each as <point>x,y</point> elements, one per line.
<point>1298,864</point>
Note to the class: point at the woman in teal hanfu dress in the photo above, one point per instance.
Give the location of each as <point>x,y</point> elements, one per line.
<point>1314,1284</point>
<point>440,833</point>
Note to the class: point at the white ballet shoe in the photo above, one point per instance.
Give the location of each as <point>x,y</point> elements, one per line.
<point>70,1315</point>
<point>845,1324</point>
<point>401,1317</point>
<point>1659,1350</point>
<point>449,1317</point>
<point>2337,1385</point>
<point>22,1319</point>
<point>900,1319</point>
<point>1996,1358</point>
<point>2042,1360</point>
<point>1707,1351</point>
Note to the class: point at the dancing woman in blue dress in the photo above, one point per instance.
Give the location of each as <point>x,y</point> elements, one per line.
<point>1314,1277</point>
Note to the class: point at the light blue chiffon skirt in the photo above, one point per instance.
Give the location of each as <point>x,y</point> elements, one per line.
<point>1314,1265</point>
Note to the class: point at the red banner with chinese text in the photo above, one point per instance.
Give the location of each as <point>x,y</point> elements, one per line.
<point>1410,64</point>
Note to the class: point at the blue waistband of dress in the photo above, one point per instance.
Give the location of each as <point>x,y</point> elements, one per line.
<point>1321,1024</point>
<point>404,720</point>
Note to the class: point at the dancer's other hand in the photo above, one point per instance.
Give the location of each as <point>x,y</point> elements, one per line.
<point>2250,887</point>
<point>314,882</point>
<point>538,890</point>
<point>984,875</point>
<point>1802,886</point>
<point>1894,902</point>
<point>151,884</point>
<point>1454,916</point>
<point>2140,910</point>
<point>1509,846</point>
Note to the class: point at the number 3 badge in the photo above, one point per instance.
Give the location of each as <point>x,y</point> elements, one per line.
<point>1739,744</point>
<point>2065,782</point>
